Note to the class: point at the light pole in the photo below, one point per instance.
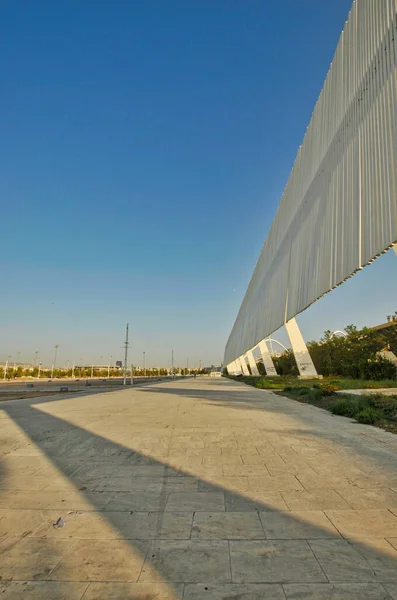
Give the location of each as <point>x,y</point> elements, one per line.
<point>55,360</point>
<point>36,354</point>
<point>17,361</point>
<point>7,363</point>
<point>38,374</point>
<point>144,364</point>
<point>125,355</point>
<point>172,363</point>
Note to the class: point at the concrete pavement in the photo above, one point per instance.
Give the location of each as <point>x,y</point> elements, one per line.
<point>194,489</point>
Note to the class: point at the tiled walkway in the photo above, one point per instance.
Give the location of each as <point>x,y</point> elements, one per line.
<point>194,489</point>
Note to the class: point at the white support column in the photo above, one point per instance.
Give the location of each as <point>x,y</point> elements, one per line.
<point>303,359</point>
<point>267,360</point>
<point>243,364</point>
<point>236,367</point>
<point>252,363</point>
<point>231,368</point>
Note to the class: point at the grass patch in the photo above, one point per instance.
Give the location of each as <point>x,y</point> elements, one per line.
<point>372,409</point>
<point>288,383</point>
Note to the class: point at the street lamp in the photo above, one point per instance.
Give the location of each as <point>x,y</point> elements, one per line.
<point>55,360</point>
<point>144,364</point>
<point>17,361</point>
<point>36,354</point>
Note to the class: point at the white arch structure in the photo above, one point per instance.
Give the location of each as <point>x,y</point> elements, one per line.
<point>270,339</point>
<point>338,211</point>
<point>338,332</point>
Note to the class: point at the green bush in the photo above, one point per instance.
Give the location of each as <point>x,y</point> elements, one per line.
<point>344,407</point>
<point>387,405</point>
<point>315,394</point>
<point>381,368</point>
<point>328,389</point>
<point>369,415</point>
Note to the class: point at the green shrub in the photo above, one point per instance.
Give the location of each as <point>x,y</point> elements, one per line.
<point>381,368</point>
<point>387,405</point>
<point>315,394</point>
<point>346,407</point>
<point>369,415</point>
<point>259,385</point>
<point>328,389</point>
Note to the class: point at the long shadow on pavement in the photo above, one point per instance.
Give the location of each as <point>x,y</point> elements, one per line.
<point>182,529</point>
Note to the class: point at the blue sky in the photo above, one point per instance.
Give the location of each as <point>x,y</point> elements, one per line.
<point>144,149</point>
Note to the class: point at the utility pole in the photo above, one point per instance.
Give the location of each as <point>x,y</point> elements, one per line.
<point>125,355</point>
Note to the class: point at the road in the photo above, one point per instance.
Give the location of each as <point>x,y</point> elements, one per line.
<point>195,489</point>
<point>10,390</point>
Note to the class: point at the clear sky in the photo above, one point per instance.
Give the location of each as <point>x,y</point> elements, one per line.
<point>144,149</point>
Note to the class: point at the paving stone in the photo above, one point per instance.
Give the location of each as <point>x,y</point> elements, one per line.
<point>174,484</point>
<point>157,525</point>
<point>332,481</point>
<point>341,561</point>
<point>315,500</point>
<point>227,526</point>
<point>277,483</point>
<point>337,591</point>
<point>299,525</point>
<point>391,588</point>
<point>24,522</point>
<point>42,590</point>
<point>138,450</point>
<point>102,560</point>
<point>274,562</point>
<point>130,501</point>
<point>381,555</point>
<point>195,501</point>
<point>30,558</point>
<point>187,561</point>
<point>234,591</point>
<point>359,498</point>
<point>133,591</point>
<point>86,525</point>
<point>254,501</point>
<point>238,484</point>
<point>363,524</point>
